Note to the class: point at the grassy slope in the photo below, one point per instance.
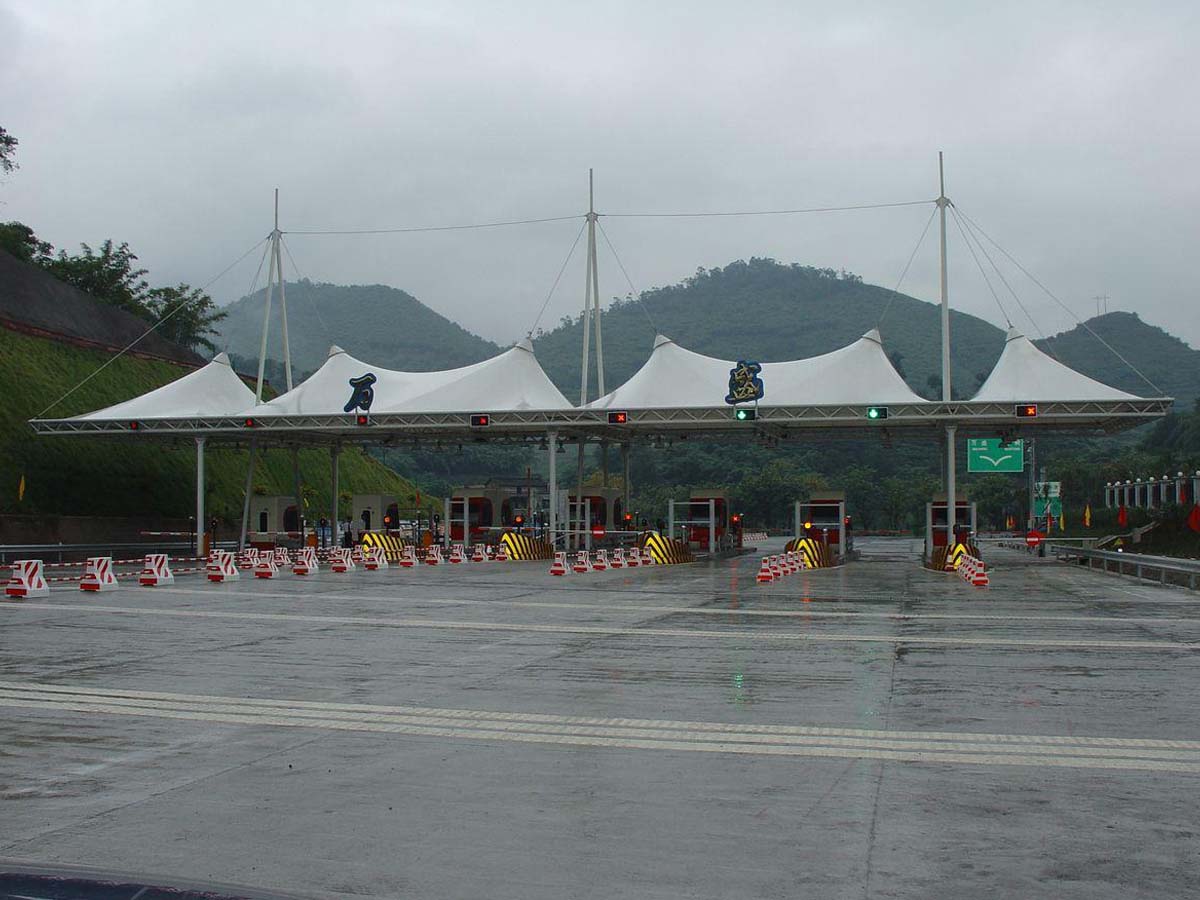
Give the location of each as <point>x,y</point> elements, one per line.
<point>92,476</point>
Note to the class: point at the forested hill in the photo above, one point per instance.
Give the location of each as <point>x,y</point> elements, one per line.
<point>769,311</point>
<point>1166,360</point>
<point>376,323</point>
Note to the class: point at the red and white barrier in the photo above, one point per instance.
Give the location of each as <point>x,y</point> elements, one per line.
<point>559,566</point>
<point>501,552</point>
<point>480,554</point>
<point>456,554</point>
<point>266,566</point>
<point>408,557</point>
<point>221,567</point>
<point>98,576</point>
<point>633,559</point>
<point>283,559</point>
<point>156,571</point>
<point>374,558</point>
<point>306,562</point>
<point>776,568</point>
<point>600,561</point>
<point>583,562</point>
<point>247,558</point>
<point>342,560</point>
<point>433,556</point>
<point>618,559</point>
<point>27,580</point>
<point>973,571</point>
<point>765,575</point>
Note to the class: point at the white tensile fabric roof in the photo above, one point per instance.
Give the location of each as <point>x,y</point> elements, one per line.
<point>674,377</point>
<point>511,381</point>
<point>1026,374</point>
<point>212,390</point>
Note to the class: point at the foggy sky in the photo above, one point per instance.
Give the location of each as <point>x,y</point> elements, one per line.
<point>1071,133</point>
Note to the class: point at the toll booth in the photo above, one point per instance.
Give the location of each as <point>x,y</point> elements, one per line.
<point>272,517</point>
<point>479,513</point>
<point>602,507</point>
<point>704,520</point>
<point>376,512</point>
<point>936,522</point>
<point>823,516</point>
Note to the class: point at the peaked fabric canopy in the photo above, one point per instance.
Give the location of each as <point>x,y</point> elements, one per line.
<point>508,382</point>
<point>1026,374</point>
<point>211,390</point>
<point>673,377</point>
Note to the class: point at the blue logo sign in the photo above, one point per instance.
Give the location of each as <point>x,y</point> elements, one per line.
<point>363,394</point>
<point>744,384</point>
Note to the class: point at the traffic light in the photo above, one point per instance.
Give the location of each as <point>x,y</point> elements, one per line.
<point>745,414</point>
<point>519,520</point>
<point>736,519</point>
<point>480,420</point>
<point>618,418</point>
<point>877,412</point>
<point>362,419</point>
<point>808,526</point>
<point>1027,411</point>
<point>134,426</point>
<point>249,423</point>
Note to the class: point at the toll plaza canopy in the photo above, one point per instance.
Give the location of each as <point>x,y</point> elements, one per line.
<point>1024,374</point>
<point>675,377</point>
<point>510,397</point>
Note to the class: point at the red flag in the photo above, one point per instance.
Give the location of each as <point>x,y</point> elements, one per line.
<point>1193,519</point>
<point>1122,516</point>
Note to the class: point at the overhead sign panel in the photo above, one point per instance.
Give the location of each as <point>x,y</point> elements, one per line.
<point>995,455</point>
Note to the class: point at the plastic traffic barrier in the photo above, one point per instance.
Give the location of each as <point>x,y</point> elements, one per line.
<point>618,559</point>
<point>408,557</point>
<point>342,560</point>
<point>456,554</point>
<point>434,556</point>
<point>266,567</point>
<point>480,554</point>
<point>306,562</point>
<point>765,575</point>
<point>247,558</point>
<point>221,567</point>
<point>27,580</point>
<point>501,552</point>
<point>583,562</point>
<point>157,571</point>
<point>559,566</point>
<point>283,559</point>
<point>600,561</point>
<point>98,576</point>
<point>373,558</point>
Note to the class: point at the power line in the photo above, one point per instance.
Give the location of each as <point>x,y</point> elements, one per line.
<point>1068,309</point>
<point>634,291</point>
<point>426,228</point>
<point>762,212</point>
<point>174,309</point>
<point>1000,274</point>
<point>979,265</point>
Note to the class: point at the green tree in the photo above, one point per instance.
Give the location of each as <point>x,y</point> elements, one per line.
<point>18,239</point>
<point>107,275</point>
<point>8,151</point>
<point>187,315</point>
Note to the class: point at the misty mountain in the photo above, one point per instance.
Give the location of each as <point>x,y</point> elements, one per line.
<point>1168,362</point>
<point>378,324</point>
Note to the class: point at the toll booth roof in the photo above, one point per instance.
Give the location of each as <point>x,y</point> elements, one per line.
<point>1024,374</point>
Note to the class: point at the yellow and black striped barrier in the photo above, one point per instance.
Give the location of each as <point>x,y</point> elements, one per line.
<point>522,546</point>
<point>948,559</point>
<point>391,545</point>
<point>666,551</point>
<point>816,554</point>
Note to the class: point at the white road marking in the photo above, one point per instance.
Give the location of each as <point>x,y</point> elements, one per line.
<point>680,736</point>
<point>607,631</point>
<point>634,606</point>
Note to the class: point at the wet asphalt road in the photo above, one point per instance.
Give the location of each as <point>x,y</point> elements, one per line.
<point>488,731</point>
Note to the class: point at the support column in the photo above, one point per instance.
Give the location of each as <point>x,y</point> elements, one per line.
<point>298,494</point>
<point>201,531</point>
<point>335,523</point>
<point>580,525</point>
<point>951,486</point>
<point>552,487</point>
<point>246,499</point>
<point>1031,523</point>
<point>627,492</point>
<point>712,526</point>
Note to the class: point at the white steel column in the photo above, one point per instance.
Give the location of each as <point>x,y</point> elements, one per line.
<point>951,499</point>
<point>552,487</point>
<point>627,497</point>
<point>201,550</point>
<point>712,526</point>
<point>246,499</point>
<point>335,525</point>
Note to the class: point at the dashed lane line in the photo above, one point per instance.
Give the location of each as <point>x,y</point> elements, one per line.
<point>675,741</point>
<point>608,631</point>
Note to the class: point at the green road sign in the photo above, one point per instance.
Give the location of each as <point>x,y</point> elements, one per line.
<point>1052,505</point>
<point>994,455</point>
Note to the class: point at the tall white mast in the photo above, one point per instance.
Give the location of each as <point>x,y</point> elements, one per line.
<point>951,440</point>
<point>274,271</point>
<point>595,285</point>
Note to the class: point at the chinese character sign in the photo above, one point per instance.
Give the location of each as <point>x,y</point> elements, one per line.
<point>744,384</point>
<point>363,394</point>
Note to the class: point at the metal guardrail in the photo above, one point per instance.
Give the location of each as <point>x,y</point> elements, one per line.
<point>1185,572</point>
<point>59,552</point>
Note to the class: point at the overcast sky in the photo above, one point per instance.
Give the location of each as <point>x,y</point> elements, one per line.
<point>1071,133</point>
